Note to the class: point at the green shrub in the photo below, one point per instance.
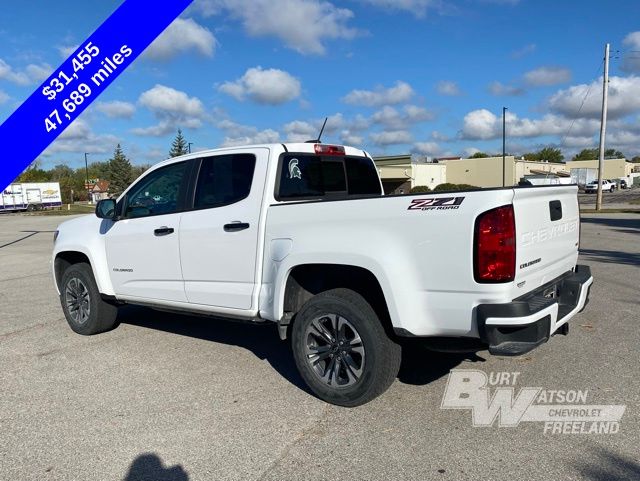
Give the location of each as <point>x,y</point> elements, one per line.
<point>420,189</point>
<point>454,187</point>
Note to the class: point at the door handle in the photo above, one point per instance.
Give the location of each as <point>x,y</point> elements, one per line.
<point>160,231</point>
<point>236,226</point>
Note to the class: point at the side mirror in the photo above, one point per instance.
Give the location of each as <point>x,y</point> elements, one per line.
<point>106,209</point>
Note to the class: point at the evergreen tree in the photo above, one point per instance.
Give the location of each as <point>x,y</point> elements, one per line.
<point>178,146</point>
<point>120,172</point>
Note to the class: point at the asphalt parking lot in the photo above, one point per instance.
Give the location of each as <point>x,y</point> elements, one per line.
<point>168,397</point>
<point>618,199</point>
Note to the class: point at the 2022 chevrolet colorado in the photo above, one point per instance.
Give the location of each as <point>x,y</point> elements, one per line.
<point>302,235</point>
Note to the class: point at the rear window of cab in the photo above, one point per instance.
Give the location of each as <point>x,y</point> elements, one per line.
<point>308,176</point>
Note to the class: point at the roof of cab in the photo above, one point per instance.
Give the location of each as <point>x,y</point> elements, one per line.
<point>298,147</point>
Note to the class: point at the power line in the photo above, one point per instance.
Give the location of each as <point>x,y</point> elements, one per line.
<point>581,106</point>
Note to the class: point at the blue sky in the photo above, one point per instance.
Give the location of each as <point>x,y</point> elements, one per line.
<point>426,77</point>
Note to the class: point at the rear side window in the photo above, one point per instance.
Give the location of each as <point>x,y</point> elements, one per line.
<point>363,176</point>
<point>224,180</point>
<point>305,176</point>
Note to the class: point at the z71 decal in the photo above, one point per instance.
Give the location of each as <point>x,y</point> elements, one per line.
<point>436,203</point>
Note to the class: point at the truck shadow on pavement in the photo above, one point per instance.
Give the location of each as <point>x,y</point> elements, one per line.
<point>419,366</point>
<point>604,465</point>
<point>626,225</point>
<point>611,257</point>
<point>149,467</point>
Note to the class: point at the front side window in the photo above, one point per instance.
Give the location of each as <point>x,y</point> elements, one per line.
<point>156,193</point>
<point>224,180</point>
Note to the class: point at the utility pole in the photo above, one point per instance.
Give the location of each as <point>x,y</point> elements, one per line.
<point>504,143</point>
<point>189,146</point>
<point>86,171</point>
<point>603,125</point>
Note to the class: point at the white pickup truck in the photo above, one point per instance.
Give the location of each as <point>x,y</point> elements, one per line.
<point>302,236</point>
<point>592,187</point>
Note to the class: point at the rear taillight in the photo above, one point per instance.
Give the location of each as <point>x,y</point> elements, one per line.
<point>323,149</point>
<point>495,246</point>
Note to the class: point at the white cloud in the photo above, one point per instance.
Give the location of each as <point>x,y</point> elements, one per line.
<point>116,109</point>
<point>418,7</point>
<point>300,131</point>
<point>78,129</point>
<point>38,73</point>
<point>623,139</point>
<point>359,123</point>
<point>546,76</point>
<point>469,151</point>
<point>303,25</point>
<point>524,51</point>
<point>447,87</point>
<point>183,35</point>
<point>165,99</point>
<point>503,90</point>
<point>67,50</point>
<point>172,108</point>
<point>624,98</point>
<point>479,124</point>
<point>401,92</point>
<point>581,142</point>
<point>485,125</point>
<point>32,73</point>
<point>268,136</point>
<point>79,138</point>
<point>426,148</point>
<point>238,134</point>
<point>631,59</point>
<point>264,86</point>
<point>347,137</point>
<point>392,137</point>
<point>439,136</point>
<point>393,119</point>
<point>4,97</point>
<point>414,114</point>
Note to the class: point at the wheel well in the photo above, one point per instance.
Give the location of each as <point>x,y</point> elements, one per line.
<point>305,281</point>
<point>66,259</point>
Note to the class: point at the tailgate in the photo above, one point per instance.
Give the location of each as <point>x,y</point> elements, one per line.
<point>547,229</point>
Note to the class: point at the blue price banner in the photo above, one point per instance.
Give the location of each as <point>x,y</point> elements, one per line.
<point>81,79</point>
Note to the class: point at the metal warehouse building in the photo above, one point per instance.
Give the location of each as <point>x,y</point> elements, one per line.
<point>613,168</point>
<point>400,173</point>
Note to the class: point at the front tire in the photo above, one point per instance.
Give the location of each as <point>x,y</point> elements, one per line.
<point>342,350</point>
<point>85,310</point>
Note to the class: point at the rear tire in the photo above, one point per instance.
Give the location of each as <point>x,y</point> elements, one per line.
<point>85,310</point>
<point>342,350</point>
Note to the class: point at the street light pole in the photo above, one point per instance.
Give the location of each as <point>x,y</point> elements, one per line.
<point>189,146</point>
<point>86,171</point>
<point>504,143</point>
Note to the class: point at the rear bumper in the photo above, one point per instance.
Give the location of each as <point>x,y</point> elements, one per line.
<point>519,326</point>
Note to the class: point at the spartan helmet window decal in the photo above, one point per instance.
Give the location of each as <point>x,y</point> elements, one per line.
<point>294,170</point>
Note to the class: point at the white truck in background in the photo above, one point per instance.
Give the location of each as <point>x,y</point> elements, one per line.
<point>301,235</point>
<point>30,196</point>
